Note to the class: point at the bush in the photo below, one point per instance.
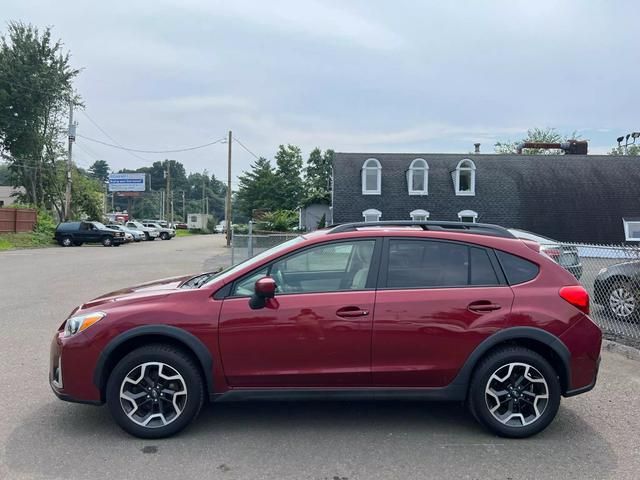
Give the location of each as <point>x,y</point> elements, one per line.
<point>281,220</point>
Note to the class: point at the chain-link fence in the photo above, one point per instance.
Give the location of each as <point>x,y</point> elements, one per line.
<point>247,245</point>
<point>611,274</point>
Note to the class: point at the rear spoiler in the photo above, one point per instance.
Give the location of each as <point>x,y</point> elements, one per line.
<point>535,246</point>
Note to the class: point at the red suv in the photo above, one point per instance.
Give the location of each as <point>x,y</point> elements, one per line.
<point>424,310</point>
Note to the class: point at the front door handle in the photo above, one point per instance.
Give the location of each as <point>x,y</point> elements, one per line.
<point>483,307</point>
<point>352,312</point>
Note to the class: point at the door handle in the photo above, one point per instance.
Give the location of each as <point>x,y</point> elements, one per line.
<point>483,307</point>
<point>351,312</point>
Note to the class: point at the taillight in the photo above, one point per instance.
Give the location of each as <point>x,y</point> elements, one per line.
<point>577,296</point>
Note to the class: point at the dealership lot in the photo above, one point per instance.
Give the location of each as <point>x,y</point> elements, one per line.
<point>594,436</point>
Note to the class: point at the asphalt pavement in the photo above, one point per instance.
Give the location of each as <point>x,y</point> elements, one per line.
<point>596,435</point>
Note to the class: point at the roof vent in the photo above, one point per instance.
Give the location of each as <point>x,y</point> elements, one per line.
<point>477,148</point>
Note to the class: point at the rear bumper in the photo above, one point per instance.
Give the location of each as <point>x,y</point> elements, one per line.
<point>586,388</point>
<point>584,340</point>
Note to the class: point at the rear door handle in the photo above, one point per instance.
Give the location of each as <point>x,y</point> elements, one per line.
<point>483,307</point>
<point>352,312</point>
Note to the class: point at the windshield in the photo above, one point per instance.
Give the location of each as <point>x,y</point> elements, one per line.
<point>250,261</point>
<point>99,225</point>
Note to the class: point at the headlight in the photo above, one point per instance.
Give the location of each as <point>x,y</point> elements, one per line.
<point>82,322</point>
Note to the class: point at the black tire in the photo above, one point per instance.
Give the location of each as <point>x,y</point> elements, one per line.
<point>164,236</point>
<point>493,363</point>
<point>147,237</point>
<point>107,241</point>
<point>177,360</point>
<point>623,301</point>
<point>66,241</point>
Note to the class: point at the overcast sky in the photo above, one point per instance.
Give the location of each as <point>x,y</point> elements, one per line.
<point>374,76</point>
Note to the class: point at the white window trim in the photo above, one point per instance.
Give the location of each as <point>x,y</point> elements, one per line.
<point>627,235</point>
<point>419,213</point>
<point>377,166</point>
<point>456,177</point>
<point>412,171</point>
<point>468,213</point>
<point>371,211</point>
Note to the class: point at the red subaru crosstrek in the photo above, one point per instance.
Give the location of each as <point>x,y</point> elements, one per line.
<point>427,310</point>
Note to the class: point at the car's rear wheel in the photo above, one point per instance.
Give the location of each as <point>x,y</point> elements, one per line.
<point>622,301</point>
<point>515,392</point>
<point>164,236</point>
<point>155,391</point>
<point>66,241</point>
<point>107,241</point>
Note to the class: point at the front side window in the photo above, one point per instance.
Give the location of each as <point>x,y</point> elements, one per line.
<point>464,178</point>
<point>631,230</point>
<point>371,215</point>
<point>434,264</point>
<point>324,268</point>
<point>371,177</point>
<point>418,177</point>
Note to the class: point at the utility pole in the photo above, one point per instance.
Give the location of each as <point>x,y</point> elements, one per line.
<point>202,206</point>
<point>169,197</point>
<point>184,209</point>
<point>227,213</point>
<point>72,138</point>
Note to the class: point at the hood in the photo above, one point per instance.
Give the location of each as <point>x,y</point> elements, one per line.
<point>145,291</point>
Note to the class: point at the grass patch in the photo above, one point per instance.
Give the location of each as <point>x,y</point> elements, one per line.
<point>10,241</point>
<point>184,233</point>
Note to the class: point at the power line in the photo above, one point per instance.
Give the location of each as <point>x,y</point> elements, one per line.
<point>111,138</point>
<point>243,146</point>
<point>177,150</point>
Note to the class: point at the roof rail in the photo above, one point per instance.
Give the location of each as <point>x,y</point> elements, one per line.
<point>461,227</point>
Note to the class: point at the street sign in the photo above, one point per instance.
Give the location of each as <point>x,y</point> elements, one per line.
<point>127,182</point>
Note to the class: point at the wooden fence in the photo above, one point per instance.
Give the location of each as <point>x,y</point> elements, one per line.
<point>17,220</point>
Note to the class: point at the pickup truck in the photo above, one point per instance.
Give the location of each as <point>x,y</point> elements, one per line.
<point>77,233</point>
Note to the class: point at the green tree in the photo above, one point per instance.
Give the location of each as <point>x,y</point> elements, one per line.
<point>5,175</point>
<point>87,194</point>
<point>633,150</point>
<point>35,92</point>
<point>100,170</point>
<point>546,135</point>
<point>288,173</point>
<point>317,183</point>
<point>259,188</point>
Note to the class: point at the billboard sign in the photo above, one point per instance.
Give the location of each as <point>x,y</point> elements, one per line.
<point>127,182</point>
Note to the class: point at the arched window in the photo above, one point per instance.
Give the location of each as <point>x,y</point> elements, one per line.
<point>418,177</point>
<point>371,177</point>
<point>419,215</point>
<point>464,178</point>
<point>372,215</point>
<point>468,216</point>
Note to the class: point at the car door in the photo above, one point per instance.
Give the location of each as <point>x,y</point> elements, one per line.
<point>318,331</point>
<point>85,233</point>
<point>436,302</point>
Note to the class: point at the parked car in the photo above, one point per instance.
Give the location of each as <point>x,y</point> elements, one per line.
<point>617,288</point>
<point>133,234</point>
<point>221,227</point>
<point>77,233</point>
<point>181,226</point>
<point>165,232</point>
<point>431,310</point>
<point>149,233</point>
<point>565,255</point>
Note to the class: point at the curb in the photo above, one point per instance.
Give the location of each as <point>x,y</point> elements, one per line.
<point>624,350</point>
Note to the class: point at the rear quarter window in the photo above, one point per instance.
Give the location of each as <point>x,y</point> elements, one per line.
<point>68,226</point>
<point>517,269</point>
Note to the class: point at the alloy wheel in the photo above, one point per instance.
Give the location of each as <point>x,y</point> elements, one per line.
<point>153,394</point>
<point>66,241</point>
<point>622,301</point>
<point>516,394</point>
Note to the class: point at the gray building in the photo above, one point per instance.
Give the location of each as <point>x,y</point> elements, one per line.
<point>575,198</point>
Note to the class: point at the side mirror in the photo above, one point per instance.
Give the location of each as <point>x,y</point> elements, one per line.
<point>265,288</point>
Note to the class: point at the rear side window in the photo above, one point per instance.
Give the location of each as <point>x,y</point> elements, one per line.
<point>68,226</point>
<point>517,269</point>
<point>432,264</point>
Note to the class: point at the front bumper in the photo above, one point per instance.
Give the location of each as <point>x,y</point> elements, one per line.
<point>70,373</point>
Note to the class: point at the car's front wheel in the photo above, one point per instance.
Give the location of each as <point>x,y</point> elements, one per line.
<point>164,236</point>
<point>515,392</point>
<point>155,391</point>
<point>107,241</point>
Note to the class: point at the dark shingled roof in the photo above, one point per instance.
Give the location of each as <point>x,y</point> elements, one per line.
<point>577,198</point>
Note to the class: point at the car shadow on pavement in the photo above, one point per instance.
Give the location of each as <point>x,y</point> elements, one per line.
<point>60,440</point>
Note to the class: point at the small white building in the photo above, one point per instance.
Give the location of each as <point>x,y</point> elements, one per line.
<point>7,195</point>
<point>198,221</point>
